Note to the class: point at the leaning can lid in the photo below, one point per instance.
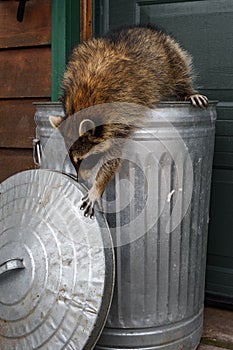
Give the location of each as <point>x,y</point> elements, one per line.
<point>56,266</point>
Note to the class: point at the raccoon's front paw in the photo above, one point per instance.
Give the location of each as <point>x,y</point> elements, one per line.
<point>198,100</point>
<point>89,201</point>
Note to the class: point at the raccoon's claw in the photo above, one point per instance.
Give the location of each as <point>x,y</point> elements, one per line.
<point>88,208</point>
<point>88,203</point>
<point>198,100</point>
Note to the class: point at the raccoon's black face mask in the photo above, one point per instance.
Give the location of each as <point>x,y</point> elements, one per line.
<point>81,147</point>
<point>89,145</point>
<point>84,166</point>
<point>79,151</point>
<point>83,153</point>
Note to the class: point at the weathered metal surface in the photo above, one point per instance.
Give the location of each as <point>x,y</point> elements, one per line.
<point>61,298</point>
<point>12,264</point>
<point>50,142</point>
<point>157,209</point>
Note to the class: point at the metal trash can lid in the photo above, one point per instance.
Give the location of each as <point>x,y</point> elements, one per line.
<point>56,266</point>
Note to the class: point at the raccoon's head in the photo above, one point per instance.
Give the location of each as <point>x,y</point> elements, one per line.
<point>84,141</point>
<point>88,147</point>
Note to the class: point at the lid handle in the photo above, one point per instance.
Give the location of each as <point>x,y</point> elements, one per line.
<point>37,152</point>
<point>12,264</point>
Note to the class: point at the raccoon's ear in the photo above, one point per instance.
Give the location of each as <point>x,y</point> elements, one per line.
<point>55,120</point>
<point>85,126</point>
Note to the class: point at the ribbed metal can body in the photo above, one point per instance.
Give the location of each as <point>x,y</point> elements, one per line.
<point>157,207</point>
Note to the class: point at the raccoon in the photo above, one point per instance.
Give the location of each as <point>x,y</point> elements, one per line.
<point>138,65</point>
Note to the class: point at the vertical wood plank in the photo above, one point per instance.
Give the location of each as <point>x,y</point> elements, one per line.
<point>86,20</point>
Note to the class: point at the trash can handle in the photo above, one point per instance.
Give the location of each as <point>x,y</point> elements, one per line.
<point>37,152</point>
<point>11,264</point>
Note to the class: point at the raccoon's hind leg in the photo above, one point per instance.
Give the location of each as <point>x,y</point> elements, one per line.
<point>198,100</point>
<point>104,175</point>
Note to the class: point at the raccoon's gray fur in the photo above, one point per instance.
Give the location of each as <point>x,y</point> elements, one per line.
<point>138,65</point>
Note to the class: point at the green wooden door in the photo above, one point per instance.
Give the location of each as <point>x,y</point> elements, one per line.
<point>65,35</point>
<point>205,29</point>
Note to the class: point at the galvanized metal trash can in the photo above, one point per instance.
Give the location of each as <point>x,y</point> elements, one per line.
<point>157,210</point>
